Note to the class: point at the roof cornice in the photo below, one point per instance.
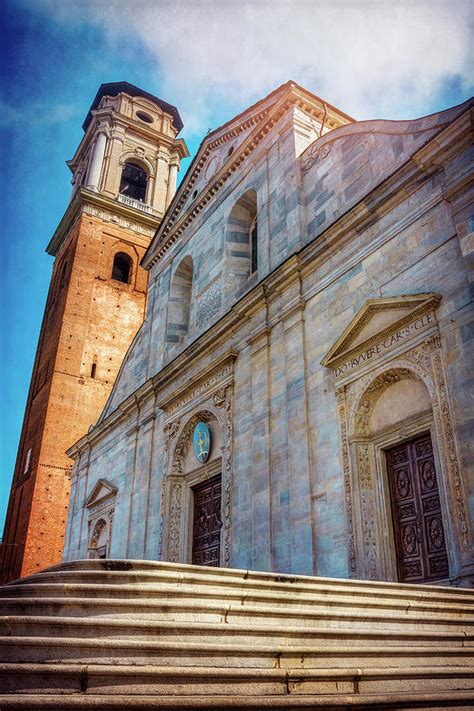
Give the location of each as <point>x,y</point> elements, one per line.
<point>123,87</point>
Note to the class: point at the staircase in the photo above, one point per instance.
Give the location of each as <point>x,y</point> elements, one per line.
<point>104,634</point>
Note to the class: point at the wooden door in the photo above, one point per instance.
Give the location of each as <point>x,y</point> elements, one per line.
<point>207,522</point>
<point>416,512</point>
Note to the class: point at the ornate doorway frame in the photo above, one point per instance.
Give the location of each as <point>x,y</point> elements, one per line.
<point>208,398</point>
<point>416,356</point>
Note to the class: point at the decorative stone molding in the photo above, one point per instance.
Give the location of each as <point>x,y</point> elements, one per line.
<point>101,506</point>
<point>109,216</point>
<point>368,551</point>
<point>209,404</point>
<point>218,374</point>
<point>138,154</point>
<point>261,122</point>
<point>209,304</point>
<point>346,475</point>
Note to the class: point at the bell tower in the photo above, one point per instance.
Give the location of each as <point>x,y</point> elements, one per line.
<point>124,177</point>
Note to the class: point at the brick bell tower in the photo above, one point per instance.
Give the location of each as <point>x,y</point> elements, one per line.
<point>124,177</point>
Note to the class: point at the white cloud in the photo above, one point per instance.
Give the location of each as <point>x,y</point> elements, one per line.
<point>370,58</point>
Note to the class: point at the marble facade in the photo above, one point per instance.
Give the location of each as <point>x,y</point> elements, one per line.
<point>353,334</point>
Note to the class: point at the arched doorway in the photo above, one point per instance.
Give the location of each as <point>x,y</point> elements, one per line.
<point>400,497</point>
<point>196,494</point>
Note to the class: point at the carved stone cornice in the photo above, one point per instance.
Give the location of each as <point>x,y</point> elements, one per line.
<point>140,223</point>
<point>407,308</point>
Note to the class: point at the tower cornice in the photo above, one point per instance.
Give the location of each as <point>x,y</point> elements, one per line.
<point>142,224</point>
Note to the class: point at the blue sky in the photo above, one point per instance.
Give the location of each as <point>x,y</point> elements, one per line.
<point>211,59</point>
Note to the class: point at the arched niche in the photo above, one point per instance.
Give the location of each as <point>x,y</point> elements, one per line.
<point>122,268</point>
<point>241,242</point>
<point>396,406</point>
<point>99,539</point>
<point>179,303</point>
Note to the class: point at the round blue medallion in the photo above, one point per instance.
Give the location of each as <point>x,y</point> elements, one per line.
<point>201,442</point>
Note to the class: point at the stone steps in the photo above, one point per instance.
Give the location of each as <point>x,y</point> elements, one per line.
<point>176,592</point>
<point>263,651</point>
<point>169,576</point>
<point>263,655</point>
<point>160,635</point>
<point>217,612</point>
<point>190,681</point>
<point>461,700</point>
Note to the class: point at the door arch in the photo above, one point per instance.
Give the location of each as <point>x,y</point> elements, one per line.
<point>389,409</point>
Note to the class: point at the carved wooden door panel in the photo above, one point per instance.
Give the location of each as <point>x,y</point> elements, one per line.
<point>207,522</point>
<point>416,512</point>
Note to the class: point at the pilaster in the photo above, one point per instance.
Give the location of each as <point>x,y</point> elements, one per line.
<point>261,448</point>
<point>299,455</point>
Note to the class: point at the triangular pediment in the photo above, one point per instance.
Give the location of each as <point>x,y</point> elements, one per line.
<point>376,319</point>
<point>102,490</point>
<point>223,150</point>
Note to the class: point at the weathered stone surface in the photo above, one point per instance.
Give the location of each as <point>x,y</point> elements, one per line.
<point>158,635</point>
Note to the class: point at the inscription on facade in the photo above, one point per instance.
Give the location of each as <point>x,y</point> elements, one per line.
<point>386,344</point>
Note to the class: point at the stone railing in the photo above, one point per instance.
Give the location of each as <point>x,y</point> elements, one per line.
<point>135,203</point>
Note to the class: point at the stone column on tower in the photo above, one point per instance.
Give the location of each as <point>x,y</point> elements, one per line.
<point>172,177</point>
<point>97,159</point>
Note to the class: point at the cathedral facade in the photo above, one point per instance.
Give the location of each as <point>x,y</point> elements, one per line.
<point>298,397</point>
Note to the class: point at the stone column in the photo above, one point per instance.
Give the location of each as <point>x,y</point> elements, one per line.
<point>97,159</point>
<point>113,174</point>
<point>158,201</point>
<point>172,177</point>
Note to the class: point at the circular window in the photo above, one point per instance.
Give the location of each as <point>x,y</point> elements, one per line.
<point>144,117</point>
<point>230,151</point>
<point>194,195</point>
